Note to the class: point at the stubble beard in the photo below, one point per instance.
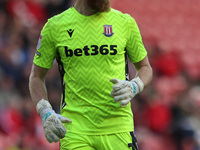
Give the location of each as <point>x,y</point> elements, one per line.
<point>99,5</point>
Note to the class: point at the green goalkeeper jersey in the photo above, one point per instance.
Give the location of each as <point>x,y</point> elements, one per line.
<point>90,50</point>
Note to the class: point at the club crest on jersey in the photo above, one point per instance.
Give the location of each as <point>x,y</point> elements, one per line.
<point>108,31</point>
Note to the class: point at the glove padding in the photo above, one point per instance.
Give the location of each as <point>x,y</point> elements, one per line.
<point>124,91</point>
<point>52,122</point>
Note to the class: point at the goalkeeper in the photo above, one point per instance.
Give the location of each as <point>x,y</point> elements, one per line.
<point>91,42</point>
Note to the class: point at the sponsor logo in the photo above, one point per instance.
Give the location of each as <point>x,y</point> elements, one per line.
<point>70,32</point>
<point>108,31</point>
<point>38,53</point>
<point>39,42</point>
<point>92,50</point>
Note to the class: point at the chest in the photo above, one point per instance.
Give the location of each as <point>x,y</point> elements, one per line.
<point>95,40</point>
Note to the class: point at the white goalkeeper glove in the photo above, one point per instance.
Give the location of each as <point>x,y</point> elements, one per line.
<point>124,91</point>
<point>52,122</point>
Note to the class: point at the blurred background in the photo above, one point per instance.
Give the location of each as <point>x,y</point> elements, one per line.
<point>166,114</point>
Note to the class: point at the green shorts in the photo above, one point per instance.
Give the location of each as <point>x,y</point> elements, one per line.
<point>119,141</point>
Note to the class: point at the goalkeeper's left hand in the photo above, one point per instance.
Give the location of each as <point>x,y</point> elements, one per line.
<point>124,91</point>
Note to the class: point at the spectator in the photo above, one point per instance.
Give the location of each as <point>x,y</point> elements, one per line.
<point>174,86</point>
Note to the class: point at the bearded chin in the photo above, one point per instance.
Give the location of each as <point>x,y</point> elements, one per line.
<point>99,5</point>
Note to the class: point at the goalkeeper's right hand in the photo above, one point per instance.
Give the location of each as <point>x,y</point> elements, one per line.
<point>52,122</point>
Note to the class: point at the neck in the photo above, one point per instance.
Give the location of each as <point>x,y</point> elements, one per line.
<point>82,7</point>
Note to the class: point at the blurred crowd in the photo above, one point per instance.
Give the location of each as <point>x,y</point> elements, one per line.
<point>166,114</point>
<point>20,24</point>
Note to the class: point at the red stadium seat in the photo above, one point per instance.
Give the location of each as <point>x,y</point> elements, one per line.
<point>173,25</point>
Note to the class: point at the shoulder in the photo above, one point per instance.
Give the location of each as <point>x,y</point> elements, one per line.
<point>60,17</point>
<point>123,16</point>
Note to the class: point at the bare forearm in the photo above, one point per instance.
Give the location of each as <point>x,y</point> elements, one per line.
<point>37,85</point>
<point>145,73</point>
<point>37,89</point>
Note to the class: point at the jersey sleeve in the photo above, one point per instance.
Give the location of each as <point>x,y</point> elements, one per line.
<point>46,51</point>
<point>135,47</point>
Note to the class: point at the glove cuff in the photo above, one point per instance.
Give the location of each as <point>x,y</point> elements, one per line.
<point>42,104</point>
<point>140,83</point>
